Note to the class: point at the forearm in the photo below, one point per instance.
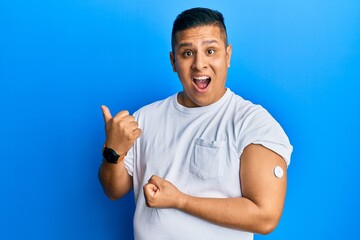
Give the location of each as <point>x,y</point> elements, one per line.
<point>238,213</point>
<point>115,179</point>
<point>121,133</point>
<point>260,216</point>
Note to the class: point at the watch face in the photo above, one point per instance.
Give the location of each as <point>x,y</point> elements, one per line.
<point>110,155</point>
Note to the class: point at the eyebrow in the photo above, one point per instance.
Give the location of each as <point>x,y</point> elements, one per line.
<point>188,44</point>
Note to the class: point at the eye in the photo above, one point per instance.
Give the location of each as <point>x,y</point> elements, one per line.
<point>210,51</point>
<point>187,53</point>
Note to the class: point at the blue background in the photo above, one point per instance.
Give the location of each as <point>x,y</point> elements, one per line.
<point>61,60</point>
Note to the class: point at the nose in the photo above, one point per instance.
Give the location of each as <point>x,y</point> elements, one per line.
<point>200,62</point>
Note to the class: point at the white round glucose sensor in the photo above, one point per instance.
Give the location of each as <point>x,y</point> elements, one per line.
<point>278,172</point>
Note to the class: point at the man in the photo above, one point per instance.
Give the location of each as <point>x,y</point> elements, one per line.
<point>203,163</point>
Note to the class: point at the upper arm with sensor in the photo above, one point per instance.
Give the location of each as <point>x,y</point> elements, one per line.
<point>263,179</point>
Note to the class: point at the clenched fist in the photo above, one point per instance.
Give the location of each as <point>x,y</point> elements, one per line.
<point>160,193</point>
<point>121,130</point>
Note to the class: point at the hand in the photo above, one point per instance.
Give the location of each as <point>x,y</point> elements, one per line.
<point>121,130</point>
<point>160,193</point>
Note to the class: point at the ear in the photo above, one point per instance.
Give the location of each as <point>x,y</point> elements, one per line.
<point>228,54</point>
<point>172,61</point>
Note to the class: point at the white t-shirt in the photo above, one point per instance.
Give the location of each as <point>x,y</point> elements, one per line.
<point>198,150</point>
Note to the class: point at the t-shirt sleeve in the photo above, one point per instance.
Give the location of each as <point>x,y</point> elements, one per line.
<point>129,161</point>
<point>260,127</point>
<point>131,154</point>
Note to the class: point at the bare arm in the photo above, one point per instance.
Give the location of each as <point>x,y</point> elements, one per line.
<point>258,210</point>
<point>115,179</point>
<point>121,132</point>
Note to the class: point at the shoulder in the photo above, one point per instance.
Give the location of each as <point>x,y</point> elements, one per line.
<point>255,125</point>
<point>247,111</point>
<point>156,106</point>
<point>252,117</point>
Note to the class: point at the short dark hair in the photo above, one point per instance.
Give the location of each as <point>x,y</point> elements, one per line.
<point>196,17</point>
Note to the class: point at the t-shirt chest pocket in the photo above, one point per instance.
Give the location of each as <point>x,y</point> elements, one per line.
<point>208,159</point>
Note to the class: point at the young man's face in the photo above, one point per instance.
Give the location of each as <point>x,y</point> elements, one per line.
<point>201,60</point>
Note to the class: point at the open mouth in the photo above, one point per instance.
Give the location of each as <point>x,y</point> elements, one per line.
<point>202,82</point>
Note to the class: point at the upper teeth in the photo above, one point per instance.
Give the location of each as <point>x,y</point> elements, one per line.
<point>201,78</point>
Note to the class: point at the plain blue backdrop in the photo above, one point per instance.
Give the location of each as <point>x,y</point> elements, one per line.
<point>61,60</point>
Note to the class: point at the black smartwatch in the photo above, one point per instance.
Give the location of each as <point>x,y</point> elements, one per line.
<point>110,155</point>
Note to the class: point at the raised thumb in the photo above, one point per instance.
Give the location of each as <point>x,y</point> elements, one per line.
<point>106,113</point>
